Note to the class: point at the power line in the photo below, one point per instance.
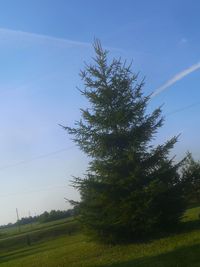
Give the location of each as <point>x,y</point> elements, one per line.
<point>36,158</point>
<point>66,149</point>
<point>47,189</point>
<point>183,108</point>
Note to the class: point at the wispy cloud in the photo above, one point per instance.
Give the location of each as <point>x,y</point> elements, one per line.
<point>7,34</point>
<point>176,78</point>
<point>14,36</point>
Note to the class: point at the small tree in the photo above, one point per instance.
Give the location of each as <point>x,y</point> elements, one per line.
<point>131,188</point>
<point>191,180</point>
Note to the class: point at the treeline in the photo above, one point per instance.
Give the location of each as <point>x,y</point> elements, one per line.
<point>55,215</point>
<point>43,218</point>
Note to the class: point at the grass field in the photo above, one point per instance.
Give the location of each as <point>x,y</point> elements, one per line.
<point>61,244</point>
<point>14,230</point>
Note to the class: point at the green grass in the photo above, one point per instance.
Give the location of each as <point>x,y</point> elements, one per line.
<point>54,246</point>
<point>192,214</point>
<point>14,230</point>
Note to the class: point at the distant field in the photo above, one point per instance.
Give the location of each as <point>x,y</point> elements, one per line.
<point>61,244</point>
<point>14,230</point>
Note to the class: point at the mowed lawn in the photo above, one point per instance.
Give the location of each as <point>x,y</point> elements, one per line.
<point>76,249</point>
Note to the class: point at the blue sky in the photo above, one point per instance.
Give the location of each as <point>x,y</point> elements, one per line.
<point>43,45</point>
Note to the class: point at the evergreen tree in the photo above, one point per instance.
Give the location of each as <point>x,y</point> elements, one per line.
<point>191,180</point>
<point>131,188</point>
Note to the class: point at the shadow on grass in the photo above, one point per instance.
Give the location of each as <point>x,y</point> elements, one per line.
<point>182,257</point>
<point>185,256</point>
<point>190,226</point>
<point>182,228</point>
<point>31,250</point>
<point>28,251</point>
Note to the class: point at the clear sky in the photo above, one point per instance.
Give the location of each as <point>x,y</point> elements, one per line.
<point>43,44</point>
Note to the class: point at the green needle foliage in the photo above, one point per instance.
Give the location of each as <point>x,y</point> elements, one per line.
<point>131,188</point>
<point>191,180</point>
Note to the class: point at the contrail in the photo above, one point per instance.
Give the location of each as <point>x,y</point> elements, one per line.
<point>24,36</point>
<point>6,34</point>
<point>176,78</point>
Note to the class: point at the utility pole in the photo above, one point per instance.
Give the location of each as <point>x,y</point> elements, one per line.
<point>29,213</point>
<point>18,223</point>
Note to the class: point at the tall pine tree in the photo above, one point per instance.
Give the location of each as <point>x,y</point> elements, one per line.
<point>131,187</point>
